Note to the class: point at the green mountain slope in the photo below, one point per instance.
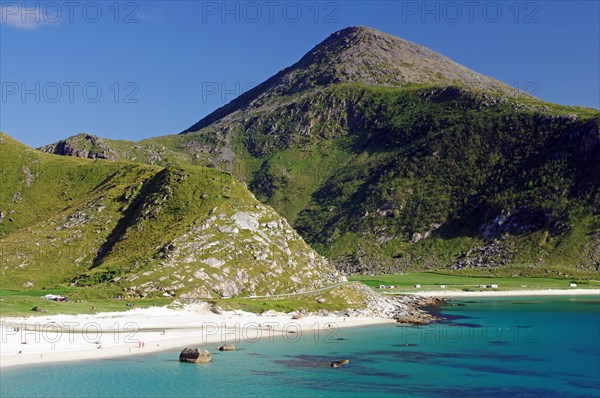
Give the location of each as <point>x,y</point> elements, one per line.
<point>386,156</point>
<point>183,231</point>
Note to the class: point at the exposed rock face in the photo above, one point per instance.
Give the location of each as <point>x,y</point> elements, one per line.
<point>417,236</point>
<point>518,222</point>
<point>194,355</point>
<point>82,146</point>
<point>587,138</point>
<point>210,254</point>
<point>494,254</point>
<point>592,251</point>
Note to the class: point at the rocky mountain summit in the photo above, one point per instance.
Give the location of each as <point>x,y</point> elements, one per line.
<point>363,55</point>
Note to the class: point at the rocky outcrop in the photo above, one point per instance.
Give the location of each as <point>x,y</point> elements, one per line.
<point>514,222</point>
<point>403,308</point>
<point>587,139</point>
<point>82,146</point>
<point>227,347</point>
<point>209,254</point>
<point>592,252</point>
<point>194,355</point>
<point>416,318</point>
<point>494,254</point>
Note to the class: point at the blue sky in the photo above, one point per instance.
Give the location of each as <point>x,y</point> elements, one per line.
<point>133,70</point>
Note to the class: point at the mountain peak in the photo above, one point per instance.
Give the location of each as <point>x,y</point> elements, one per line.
<point>359,54</point>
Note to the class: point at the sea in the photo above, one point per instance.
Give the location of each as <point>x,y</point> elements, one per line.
<point>485,347</point>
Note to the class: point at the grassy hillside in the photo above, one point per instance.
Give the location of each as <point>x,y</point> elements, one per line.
<point>389,179</point>
<point>389,157</point>
<point>118,228</point>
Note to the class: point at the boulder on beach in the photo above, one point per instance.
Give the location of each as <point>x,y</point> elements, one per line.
<point>194,355</point>
<point>296,316</point>
<point>227,347</point>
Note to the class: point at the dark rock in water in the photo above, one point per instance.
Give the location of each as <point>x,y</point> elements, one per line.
<point>337,364</point>
<point>416,318</point>
<point>227,347</point>
<point>194,355</point>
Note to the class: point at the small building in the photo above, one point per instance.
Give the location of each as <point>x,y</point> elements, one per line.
<point>572,284</point>
<point>381,286</point>
<point>493,286</point>
<point>418,286</point>
<point>482,286</point>
<point>442,286</point>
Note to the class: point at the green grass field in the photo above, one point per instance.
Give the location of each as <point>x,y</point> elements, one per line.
<point>431,281</point>
<point>81,301</point>
<point>20,303</point>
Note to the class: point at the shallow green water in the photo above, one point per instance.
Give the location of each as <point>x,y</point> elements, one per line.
<point>487,347</point>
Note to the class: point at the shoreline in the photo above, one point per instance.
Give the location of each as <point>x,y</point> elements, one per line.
<point>70,338</point>
<point>159,328</point>
<point>505,293</point>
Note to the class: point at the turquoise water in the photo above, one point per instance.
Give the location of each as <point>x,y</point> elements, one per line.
<point>521,347</point>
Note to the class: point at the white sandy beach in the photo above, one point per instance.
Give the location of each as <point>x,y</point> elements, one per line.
<point>509,293</point>
<point>120,334</point>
